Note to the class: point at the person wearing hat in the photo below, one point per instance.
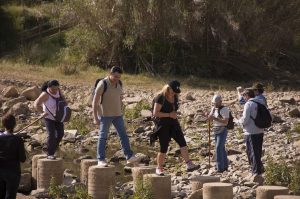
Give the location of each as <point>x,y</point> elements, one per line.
<point>167,125</point>
<point>220,115</point>
<point>107,110</point>
<point>46,103</point>
<point>258,89</point>
<point>253,134</point>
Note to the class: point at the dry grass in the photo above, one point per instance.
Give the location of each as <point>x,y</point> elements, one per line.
<point>39,74</point>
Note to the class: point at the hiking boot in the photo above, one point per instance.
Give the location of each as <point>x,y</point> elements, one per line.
<point>190,166</point>
<point>102,163</point>
<point>159,171</point>
<point>51,157</point>
<point>133,159</point>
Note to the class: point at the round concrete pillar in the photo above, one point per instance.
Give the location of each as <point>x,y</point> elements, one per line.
<point>268,192</point>
<point>46,169</point>
<point>101,180</point>
<point>160,186</point>
<point>198,181</point>
<point>286,197</point>
<point>85,164</point>
<point>34,160</point>
<point>214,190</point>
<point>138,172</point>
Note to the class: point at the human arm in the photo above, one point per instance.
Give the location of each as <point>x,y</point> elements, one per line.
<point>246,115</point>
<point>39,102</point>
<point>22,155</point>
<point>96,102</point>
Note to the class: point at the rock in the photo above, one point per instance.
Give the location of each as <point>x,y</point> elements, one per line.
<point>25,182</point>
<point>10,91</point>
<point>289,100</point>
<point>7,105</point>
<point>294,113</point>
<point>40,193</point>
<point>40,137</point>
<point>190,97</point>
<point>70,135</point>
<point>19,108</point>
<point>277,119</point>
<point>297,145</point>
<point>31,93</point>
<point>139,130</point>
<point>146,113</point>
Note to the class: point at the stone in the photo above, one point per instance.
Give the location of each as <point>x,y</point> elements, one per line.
<point>31,93</point>
<point>294,113</point>
<point>289,100</point>
<point>146,113</point>
<point>25,182</point>
<point>10,92</point>
<point>196,194</point>
<point>8,104</point>
<point>19,109</point>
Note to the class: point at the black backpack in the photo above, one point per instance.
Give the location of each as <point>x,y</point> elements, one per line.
<point>230,124</point>
<point>263,118</point>
<point>105,87</point>
<point>63,112</point>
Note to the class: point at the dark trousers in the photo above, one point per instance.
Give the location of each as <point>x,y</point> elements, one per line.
<point>55,134</point>
<point>254,152</point>
<point>9,183</point>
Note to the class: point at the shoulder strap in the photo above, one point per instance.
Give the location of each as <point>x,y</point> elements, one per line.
<point>104,89</point>
<point>219,110</point>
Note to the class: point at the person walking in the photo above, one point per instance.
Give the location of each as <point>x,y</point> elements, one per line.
<point>219,114</point>
<point>47,105</point>
<point>253,134</point>
<point>107,110</point>
<point>12,153</point>
<point>167,125</point>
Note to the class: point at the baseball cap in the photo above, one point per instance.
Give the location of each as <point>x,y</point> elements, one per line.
<point>174,84</point>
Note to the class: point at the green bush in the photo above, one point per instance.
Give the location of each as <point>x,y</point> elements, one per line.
<point>79,122</point>
<point>278,172</point>
<point>136,111</point>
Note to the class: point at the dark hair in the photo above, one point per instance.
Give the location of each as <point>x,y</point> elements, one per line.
<point>9,122</point>
<point>53,83</point>
<point>249,92</point>
<point>116,69</point>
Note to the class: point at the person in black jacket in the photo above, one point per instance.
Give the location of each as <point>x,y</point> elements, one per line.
<point>12,152</point>
<point>167,125</point>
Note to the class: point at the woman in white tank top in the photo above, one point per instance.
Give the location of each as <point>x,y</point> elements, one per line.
<point>46,104</point>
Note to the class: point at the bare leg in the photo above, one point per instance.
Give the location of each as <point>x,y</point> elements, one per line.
<point>160,159</point>
<point>185,154</point>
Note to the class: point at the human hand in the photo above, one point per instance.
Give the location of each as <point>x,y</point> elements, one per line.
<point>239,89</point>
<point>44,114</point>
<point>96,121</point>
<point>173,115</point>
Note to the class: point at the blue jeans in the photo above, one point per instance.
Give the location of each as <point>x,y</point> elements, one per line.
<point>118,123</point>
<point>222,161</point>
<point>55,134</point>
<point>254,152</point>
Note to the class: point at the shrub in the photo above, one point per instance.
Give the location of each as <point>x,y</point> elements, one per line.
<point>280,173</point>
<point>135,112</point>
<point>79,122</point>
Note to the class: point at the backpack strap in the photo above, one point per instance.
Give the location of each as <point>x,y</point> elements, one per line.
<point>219,110</point>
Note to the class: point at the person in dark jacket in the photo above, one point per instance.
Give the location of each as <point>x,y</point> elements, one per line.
<point>12,152</point>
<point>167,125</point>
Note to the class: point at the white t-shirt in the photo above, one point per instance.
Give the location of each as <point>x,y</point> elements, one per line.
<point>224,113</point>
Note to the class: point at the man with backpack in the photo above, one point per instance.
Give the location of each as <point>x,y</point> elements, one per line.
<point>253,131</point>
<point>219,114</point>
<point>107,110</point>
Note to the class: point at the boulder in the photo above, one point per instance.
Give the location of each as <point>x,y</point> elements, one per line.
<point>19,109</point>
<point>10,91</point>
<point>8,104</point>
<point>31,93</point>
<point>25,182</point>
<point>146,113</point>
<point>294,113</point>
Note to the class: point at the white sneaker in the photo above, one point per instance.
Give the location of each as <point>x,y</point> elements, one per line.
<point>51,157</point>
<point>133,159</point>
<point>102,163</point>
<point>159,171</point>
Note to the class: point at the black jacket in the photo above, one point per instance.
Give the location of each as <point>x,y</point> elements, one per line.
<point>12,152</point>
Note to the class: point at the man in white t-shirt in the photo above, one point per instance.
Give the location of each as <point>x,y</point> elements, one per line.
<point>219,115</point>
